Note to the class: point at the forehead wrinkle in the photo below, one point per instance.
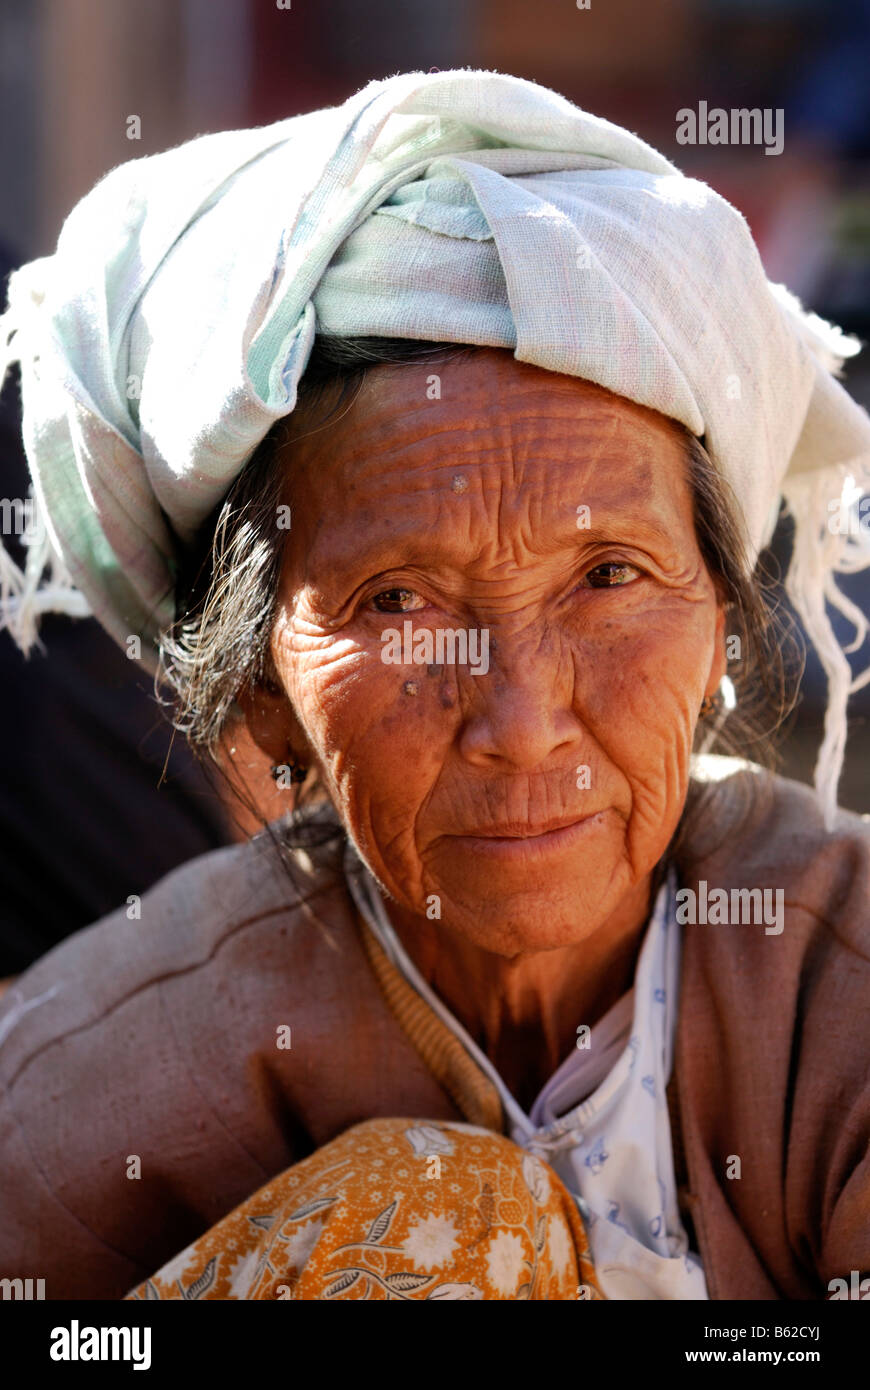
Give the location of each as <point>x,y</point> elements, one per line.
<point>474,448</point>
<point>526,519</point>
<point>517,412</point>
<point>341,550</point>
<point>443,451</point>
<point>488,442</point>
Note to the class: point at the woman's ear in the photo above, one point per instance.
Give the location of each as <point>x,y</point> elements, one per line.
<point>269,719</point>
<point>263,734</point>
<point>719,664</point>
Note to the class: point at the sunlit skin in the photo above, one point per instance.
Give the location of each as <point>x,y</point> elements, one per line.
<point>603,643</point>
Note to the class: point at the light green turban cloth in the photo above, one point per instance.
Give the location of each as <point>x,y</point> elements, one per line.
<point>169,331</point>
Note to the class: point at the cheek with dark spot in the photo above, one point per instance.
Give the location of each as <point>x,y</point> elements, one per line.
<point>391,723</point>
<point>409,709</point>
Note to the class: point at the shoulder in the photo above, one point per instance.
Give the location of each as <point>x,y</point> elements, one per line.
<point>785,956</point>
<point>750,828</point>
<point>204,1036</point>
<point>199,920</point>
<point>775,1024</point>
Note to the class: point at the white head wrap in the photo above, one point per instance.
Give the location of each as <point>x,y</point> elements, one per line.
<point>169,331</point>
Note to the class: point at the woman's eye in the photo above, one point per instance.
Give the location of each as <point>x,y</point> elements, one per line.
<point>608,575</point>
<point>396,601</point>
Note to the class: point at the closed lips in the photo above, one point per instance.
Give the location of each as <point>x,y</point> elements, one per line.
<point>520,830</point>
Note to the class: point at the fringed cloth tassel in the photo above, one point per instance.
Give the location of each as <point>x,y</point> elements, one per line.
<point>42,584</point>
<point>828,542</point>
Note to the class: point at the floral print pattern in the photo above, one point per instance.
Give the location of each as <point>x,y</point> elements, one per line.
<point>366,1218</point>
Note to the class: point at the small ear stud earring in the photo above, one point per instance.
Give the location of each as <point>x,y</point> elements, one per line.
<point>709,704</point>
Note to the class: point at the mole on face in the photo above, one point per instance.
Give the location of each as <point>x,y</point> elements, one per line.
<point>410,687</point>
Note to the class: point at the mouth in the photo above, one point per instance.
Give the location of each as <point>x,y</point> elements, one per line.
<point>513,839</point>
<point>520,830</point>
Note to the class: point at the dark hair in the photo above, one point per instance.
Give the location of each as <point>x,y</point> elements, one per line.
<point>226,591</point>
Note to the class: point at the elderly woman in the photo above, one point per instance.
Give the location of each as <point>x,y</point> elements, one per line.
<point>429,443</point>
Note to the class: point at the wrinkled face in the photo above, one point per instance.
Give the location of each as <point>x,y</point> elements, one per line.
<point>522,794</point>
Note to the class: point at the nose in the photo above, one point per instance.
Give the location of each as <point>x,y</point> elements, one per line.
<point>520,714</point>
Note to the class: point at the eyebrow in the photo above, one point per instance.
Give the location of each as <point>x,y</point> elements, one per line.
<point>396,549</point>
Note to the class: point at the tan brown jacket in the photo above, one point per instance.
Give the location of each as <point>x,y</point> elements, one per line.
<point>155,1038</point>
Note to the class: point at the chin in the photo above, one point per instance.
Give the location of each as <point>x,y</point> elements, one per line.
<point>540,919</point>
<point>524,902</point>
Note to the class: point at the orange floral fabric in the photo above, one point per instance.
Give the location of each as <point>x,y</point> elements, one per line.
<point>398,1210</point>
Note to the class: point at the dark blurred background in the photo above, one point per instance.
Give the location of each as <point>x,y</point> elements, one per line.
<point>73,71</point>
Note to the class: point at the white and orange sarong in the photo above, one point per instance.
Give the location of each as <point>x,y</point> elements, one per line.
<point>399,1210</point>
